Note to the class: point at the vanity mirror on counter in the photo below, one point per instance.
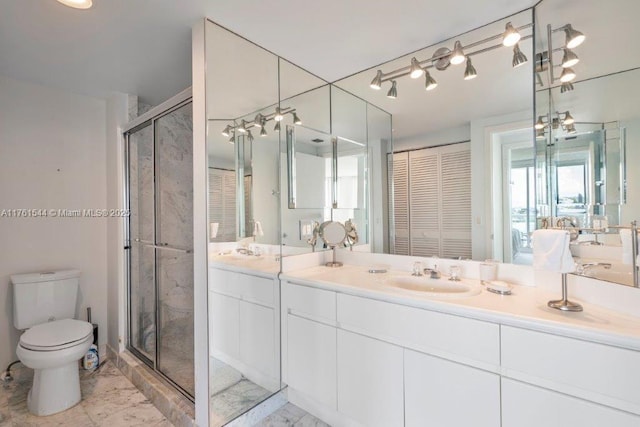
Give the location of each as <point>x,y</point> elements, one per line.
<point>587,130</point>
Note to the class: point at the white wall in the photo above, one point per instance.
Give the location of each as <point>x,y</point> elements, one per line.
<point>118,106</point>
<point>52,156</point>
<point>441,137</point>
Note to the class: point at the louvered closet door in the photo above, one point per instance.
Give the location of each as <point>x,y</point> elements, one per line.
<point>455,208</point>
<point>400,203</point>
<point>424,202</point>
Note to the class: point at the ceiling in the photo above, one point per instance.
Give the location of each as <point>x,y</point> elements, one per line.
<point>143,47</point>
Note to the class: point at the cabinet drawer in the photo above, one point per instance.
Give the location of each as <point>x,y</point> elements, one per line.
<point>524,405</point>
<point>312,303</point>
<point>254,289</point>
<point>451,337</point>
<point>597,372</point>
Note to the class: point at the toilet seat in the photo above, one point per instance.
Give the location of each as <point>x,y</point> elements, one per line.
<point>56,335</point>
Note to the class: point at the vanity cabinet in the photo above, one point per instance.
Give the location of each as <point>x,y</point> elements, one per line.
<point>447,394</point>
<point>370,382</point>
<point>352,360</point>
<point>525,405</point>
<point>245,324</point>
<point>312,359</point>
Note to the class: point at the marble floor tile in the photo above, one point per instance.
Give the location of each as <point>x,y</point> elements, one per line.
<point>291,416</point>
<point>235,400</point>
<point>108,399</point>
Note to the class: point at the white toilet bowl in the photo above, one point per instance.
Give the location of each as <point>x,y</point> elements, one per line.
<point>52,350</point>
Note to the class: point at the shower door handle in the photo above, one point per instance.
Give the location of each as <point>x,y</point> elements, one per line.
<point>163,246</point>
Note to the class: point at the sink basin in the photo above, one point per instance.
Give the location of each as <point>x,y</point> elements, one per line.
<point>437,288</point>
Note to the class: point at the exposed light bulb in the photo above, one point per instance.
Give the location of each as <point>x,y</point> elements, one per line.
<point>77,4</point>
<point>429,83</point>
<point>511,36</point>
<point>567,75</point>
<point>574,38</point>
<point>457,56</point>
<point>376,83</point>
<point>569,59</point>
<point>416,69</point>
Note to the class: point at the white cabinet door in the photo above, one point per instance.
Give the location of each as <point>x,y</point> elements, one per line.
<point>370,389</point>
<point>312,359</point>
<point>446,394</point>
<point>524,405</point>
<point>257,338</point>
<point>224,315</point>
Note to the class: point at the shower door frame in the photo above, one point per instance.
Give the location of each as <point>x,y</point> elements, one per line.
<point>149,118</point>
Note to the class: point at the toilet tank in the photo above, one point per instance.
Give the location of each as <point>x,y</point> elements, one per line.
<point>43,297</point>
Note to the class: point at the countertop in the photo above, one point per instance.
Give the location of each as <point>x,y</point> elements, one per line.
<point>263,266</point>
<point>525,308</point>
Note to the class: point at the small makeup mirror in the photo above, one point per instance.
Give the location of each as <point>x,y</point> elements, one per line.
<point>333,234</point>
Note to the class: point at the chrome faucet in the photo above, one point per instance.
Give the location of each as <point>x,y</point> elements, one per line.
<point>584,268</point>
<point>433,272</point>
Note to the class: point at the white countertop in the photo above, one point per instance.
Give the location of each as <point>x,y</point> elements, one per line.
<point>525,308</point>
<point>263,266</point>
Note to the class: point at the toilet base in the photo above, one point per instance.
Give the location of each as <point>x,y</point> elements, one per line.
<point>54,389</point>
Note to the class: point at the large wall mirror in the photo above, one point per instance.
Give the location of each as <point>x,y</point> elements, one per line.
<point>588,129</point>
<point>462,162</point>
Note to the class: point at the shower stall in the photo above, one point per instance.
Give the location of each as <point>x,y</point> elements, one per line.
<point>159,240</point>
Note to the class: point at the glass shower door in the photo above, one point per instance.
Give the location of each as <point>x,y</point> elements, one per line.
<point>160,190</point>
<point>174,238</point>
<point>142,272</point>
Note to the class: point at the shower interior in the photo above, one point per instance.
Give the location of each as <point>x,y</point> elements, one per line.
<point>159,190</point>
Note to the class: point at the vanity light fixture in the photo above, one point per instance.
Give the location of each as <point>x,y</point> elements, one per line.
<point>567,75</point>
<point>249,136</point>
<point>470,70</point>
<point>457,56</point>
<point>540,134</point>
<point>539,124</point>
<point>416,70</point>
<point>566,87</point>
<point>519,58</point>
<point>568,119</point>
<point>569,59</point>
<point>546,62</point>
<point>443,57</point>
<point>77,4</point>
<point>376,83</point>
<point>393,92</point>
<point>232,140</point>
<point>574,38</point>
<point>571,129</point>
<point>429,83</point>
<point>260,121</point>
<point>511,36</point>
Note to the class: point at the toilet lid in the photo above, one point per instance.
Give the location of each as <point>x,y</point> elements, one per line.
<point>58,333</point>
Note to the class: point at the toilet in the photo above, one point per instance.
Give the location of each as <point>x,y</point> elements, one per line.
<point>44,305</point>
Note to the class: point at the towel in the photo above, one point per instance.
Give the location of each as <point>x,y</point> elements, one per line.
<point>551,251</point>
<point>625,238</point>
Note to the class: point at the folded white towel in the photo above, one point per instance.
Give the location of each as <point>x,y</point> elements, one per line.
<point>551,251</point>
<point>627,254</point>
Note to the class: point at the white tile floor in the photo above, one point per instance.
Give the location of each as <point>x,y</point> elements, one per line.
<point>108,399</point>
